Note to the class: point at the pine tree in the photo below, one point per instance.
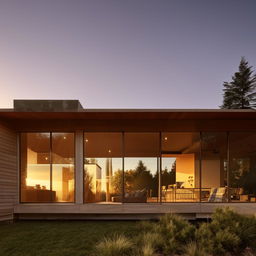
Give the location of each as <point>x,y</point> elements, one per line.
<point>240,93</point>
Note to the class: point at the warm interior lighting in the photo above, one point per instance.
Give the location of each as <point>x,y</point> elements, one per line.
<point>109,151</point>
<point>64,137</point>
<point>165,138</point>
<point>86,140</point>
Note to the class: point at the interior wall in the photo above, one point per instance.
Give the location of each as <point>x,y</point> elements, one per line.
<point>211,173</point>
<point>8,173</point>
<point>185,166</point>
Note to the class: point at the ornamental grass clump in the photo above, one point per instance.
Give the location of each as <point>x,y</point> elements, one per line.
<point>147,250</point>
<point>192,249</point>
<point>119,245</point>
<point>227,232</point>
<point>149,243</point>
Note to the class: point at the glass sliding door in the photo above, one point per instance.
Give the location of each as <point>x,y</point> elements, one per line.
<point>103,167</point>
<point>180,174</point>
<point>141,183</point>
<point>242,169</point>
<point>214,167</point>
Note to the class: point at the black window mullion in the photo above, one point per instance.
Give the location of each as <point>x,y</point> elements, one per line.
<point>228,167</point>
<point>160,168</point>
<point>200,169</point>
<point>123,178</point>
<point>51,166</point>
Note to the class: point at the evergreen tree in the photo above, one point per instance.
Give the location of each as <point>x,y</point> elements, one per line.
<point>240,93</point>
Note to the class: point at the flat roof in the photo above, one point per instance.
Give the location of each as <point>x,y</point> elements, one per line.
<point>11,114</point>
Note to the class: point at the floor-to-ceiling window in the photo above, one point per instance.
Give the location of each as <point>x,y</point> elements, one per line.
<point>47,167</point>
<point>124,167</point>
<point>63,166</point>
<point>103,167</point>
<point>214,167</point>
<point>180,167</point>
<point>141,152</point>
<point>242,169</point>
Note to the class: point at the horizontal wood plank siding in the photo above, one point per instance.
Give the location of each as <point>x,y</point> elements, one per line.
<point>8,173</point>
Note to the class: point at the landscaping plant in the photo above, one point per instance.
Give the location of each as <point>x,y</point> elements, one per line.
<point>119,245</point>
<point>228,233</point>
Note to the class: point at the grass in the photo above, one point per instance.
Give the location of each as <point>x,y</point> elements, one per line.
<point>59,238</point>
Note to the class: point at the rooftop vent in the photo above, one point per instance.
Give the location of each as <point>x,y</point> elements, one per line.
<point>47,105</point>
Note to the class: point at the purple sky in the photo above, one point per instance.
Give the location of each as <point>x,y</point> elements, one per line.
<point>124,54</point>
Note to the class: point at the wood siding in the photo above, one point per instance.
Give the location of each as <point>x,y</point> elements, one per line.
<point>8,173</point>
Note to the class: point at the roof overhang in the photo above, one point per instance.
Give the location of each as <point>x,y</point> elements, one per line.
<point>101,114</point>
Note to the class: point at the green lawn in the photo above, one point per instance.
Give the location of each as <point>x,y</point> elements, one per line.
<point>55,238</point>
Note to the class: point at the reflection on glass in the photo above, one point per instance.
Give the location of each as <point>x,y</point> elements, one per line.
<point>35,167</point>
<point>63,166</point>
<point>141,180</point>
<point>141,167</point>
<point>103,180</point>
<point>214,167</point>
<point>103,175</point>
<point>242,170</point>
<point>47,167</point>
<point>180,167</point>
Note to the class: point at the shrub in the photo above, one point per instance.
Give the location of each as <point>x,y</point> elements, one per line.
<point>176,231</point>
<point>155,240</point>
<point>228,232</point>
<point>119,245</point>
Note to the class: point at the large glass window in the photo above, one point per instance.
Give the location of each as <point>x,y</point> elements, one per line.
<point>47,167</point>
<point>180,167</point>
<point>214,167</point>
<point>103,172</point>
<point>141,167</point>
<point>63,166</point>
<point>242,169</point>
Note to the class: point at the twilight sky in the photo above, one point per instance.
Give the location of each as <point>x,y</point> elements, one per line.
<point>124,54</point>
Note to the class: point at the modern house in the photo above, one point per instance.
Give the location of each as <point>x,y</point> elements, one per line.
<point>59,160</point>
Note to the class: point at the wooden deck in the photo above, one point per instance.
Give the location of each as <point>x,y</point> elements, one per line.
<point>126,211</point>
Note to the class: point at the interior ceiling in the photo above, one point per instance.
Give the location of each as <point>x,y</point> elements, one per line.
<point>180,142</point>
<point>62,143</point>
<point>141,144</point>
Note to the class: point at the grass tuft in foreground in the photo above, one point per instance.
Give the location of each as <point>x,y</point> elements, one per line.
<point>119,245</point>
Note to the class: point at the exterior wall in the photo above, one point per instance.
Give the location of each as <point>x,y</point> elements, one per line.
<point>8,173</point>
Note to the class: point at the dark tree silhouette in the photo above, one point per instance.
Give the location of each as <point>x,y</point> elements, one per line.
<point>240,93</point>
